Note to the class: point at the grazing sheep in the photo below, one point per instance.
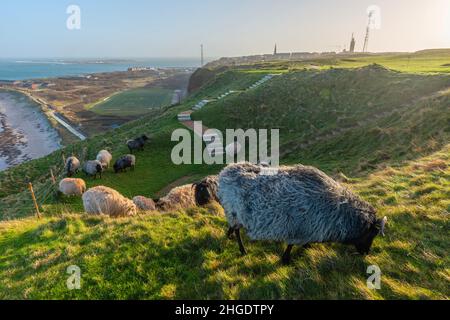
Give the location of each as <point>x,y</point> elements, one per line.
<point>299,205</point>
<point>72,166</point>
<point>206,190</point>
<point>105,158</point>
<point>178,198</point>
<point>72,187</point>
<point>92,168</point>
<point>144,204</point>
<point>104,200</point>
<point>124,162</point>
<point>137,144</point>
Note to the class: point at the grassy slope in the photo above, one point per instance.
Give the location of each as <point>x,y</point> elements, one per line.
<point>425,62</point>
<point>186,254</point>
<point>344,120</point>
<point>134,102</point>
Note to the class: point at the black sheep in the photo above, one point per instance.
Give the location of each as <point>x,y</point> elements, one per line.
<point>124,162</point>
<point>206,190</point>
<point>137,144</point>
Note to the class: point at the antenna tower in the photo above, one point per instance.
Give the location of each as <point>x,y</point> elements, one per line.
<point>366,40</point>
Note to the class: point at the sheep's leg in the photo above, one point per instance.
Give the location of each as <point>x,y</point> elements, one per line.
<point>286,259</point>
<point>239,240</point>
<point>230,233</point>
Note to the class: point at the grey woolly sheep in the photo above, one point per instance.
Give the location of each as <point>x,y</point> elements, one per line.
<point>144,204</point>
<point>178,198</point>
<point>124,162</point>
<point>299,205</point>
<point>206,190</point>
<point>137,144</point>
<point>104,200</point>
<point>92,168</point>
<point>72,166</point>
<point>72,187</point>
<point>105,158</point>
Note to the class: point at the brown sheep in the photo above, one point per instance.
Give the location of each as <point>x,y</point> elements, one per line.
<point>72,187</point>
<point>144,204</point>
<point>104,200</point>
<point>179,198</point>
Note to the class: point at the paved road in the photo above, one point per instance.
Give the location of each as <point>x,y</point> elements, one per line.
<point>67,126</point>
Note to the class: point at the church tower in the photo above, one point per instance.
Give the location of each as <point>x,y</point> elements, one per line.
<point>352,44</point>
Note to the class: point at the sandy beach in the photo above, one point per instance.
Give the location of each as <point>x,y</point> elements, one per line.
<point>25,132</point>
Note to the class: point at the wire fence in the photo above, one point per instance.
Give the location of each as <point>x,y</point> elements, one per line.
<point>42,190</point>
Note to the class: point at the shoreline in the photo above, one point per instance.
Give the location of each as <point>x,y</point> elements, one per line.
<point>49,112</point>
<point>26,133</point>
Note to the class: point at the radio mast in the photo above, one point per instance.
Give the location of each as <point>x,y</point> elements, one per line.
<point>202,59</point>
<point>366,40</point>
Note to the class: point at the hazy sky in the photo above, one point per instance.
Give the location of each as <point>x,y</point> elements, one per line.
<point>175,28</point>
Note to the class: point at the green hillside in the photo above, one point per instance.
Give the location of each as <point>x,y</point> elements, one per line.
<point>384,133</point>
<point>134,102</point>
<point>186,255</point>
<point>345,120</point>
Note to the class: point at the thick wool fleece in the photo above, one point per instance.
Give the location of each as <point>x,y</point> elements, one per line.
<point>298,205</point>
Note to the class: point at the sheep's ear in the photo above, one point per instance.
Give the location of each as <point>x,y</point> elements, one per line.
<point>195,185</point>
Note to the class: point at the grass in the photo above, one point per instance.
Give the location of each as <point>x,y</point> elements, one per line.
<point>343,120</point>
<point>133,102</point>
<point>423,62</point>
<point>185,255</point>
<point>365,126</point>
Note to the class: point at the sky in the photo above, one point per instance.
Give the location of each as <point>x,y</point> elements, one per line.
<point>176,28</point>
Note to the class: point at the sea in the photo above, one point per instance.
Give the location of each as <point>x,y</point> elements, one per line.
<point>24,69</point>
<point>25,132</point>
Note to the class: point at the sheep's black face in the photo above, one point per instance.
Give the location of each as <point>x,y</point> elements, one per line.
<point>202,194</point>
<point>364,243</point>
<point>116,167</point>
<point>99,168</point>
<point>144,138</point>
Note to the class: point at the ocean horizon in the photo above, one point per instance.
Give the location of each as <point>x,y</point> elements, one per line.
<point>25,69</point>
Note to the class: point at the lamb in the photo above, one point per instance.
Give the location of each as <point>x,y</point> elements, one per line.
<point>105,158</point>
<point>92,168</point>
<point>144,204</point>
<point>104,200</point>
<point>72,187</point>
<point>137,144</point>
<point>124,162</point>
<point>299,205</point>
<point>178,198</point>
<point>206,190</point>
<point>72,166</point>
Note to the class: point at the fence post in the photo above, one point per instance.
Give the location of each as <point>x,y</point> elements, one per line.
<point>53,176</point>
<point>36,206</point>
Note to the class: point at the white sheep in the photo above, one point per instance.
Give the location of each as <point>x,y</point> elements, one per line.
<point>144,204</point>
<point>72,187</point>
<point>104,200</point>
<point>72,166</point>
<point>105,158</point>
<point>178,198</point>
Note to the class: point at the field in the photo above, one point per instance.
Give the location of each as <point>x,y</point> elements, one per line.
<point>185,255</point>
<point>384,134</point>
<point>424,62</point>
<point>133,102</point>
